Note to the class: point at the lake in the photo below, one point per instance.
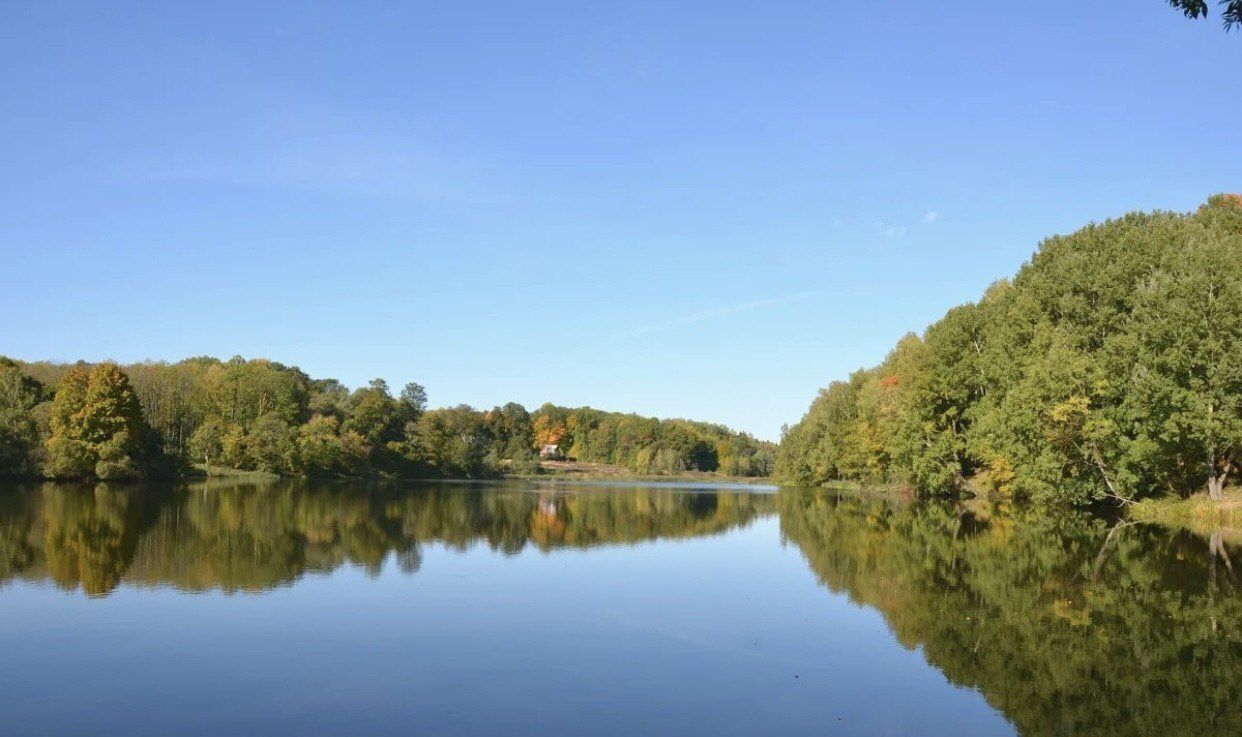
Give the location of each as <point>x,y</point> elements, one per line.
<point>524,608</point>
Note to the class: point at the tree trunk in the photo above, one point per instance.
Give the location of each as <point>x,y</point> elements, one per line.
<point>1217,478</point>
<point>1216,485</point>
<point>1218,473</point>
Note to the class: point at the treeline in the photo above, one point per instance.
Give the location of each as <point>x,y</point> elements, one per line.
<point>648,445</point>
<point>108,421</point>
<point>1110,366</point>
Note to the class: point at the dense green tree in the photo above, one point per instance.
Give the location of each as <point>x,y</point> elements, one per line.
<point>373,414</point>
<point>329,398</point>
<point>649,445</point>
<point>19,395</point>
<point>1110,367</point>
<point>413,400</point>
<point>242,391</point>
<point>207,441</point>
<point>270,445</point>
<point>167,395</point>
<point>456,442</point>
<point>322,451</point>
<point>1189,392</point>
<point>511,426</point>
<point>97,427</point>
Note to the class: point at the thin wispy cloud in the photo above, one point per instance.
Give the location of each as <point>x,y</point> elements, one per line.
<point>717,313</point>
<point>897,232</point>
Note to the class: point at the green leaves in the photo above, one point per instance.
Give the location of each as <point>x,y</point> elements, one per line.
<point>1111,366</point>
<point>1231,10</point>
<point>97,427</point>
<point>19,395</point>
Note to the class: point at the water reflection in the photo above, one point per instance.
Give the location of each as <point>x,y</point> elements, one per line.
<point>241,537</point>
<point>1069,625</point>
<point>1066,624</point>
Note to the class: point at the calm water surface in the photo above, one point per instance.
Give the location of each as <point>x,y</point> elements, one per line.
<point>522,609</point>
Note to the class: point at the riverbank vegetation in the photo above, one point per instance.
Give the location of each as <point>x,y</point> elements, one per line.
<point>107,421</point>
<point>1110,366</point>
<point>1199,513</point>
<point>591,472</point>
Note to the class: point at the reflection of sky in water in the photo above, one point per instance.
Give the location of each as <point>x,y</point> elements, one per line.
<point>697,636</point>
<point>728,631</point>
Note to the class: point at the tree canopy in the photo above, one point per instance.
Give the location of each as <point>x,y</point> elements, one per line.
<point>111,421</point>
<point>97,427</point>
<point>1110,366</point>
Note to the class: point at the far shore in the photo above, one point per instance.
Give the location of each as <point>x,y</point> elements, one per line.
<point>581,471</point>
<point>548,471</point>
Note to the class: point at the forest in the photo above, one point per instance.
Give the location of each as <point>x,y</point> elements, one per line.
<point>112,422</point>
<point>1108,368</point>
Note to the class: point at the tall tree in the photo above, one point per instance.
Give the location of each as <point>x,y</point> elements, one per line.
<point>19,394</point>
<point>97,427</point>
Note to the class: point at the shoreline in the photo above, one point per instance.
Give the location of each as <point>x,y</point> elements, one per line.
<point>562,472</point>
<point>1197,513</point>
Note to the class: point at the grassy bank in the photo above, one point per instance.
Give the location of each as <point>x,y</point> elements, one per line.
<point>1197,512</point>
<point>200,470</point>
<point>580,471</point>
<point>549,470</point>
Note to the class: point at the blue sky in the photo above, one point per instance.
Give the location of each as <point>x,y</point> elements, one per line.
<point>680,209</point>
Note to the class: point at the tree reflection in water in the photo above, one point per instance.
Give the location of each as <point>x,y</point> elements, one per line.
<point>1067,624</point>
<point>242,537</point>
